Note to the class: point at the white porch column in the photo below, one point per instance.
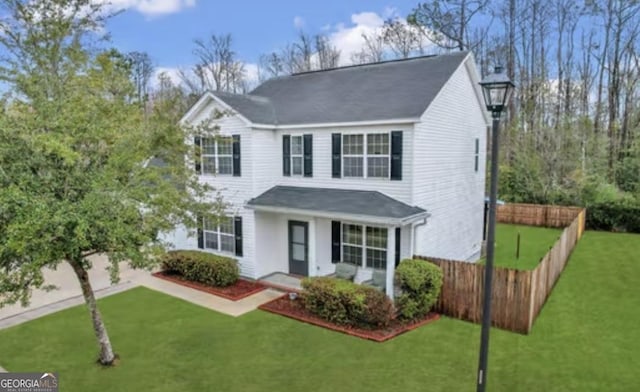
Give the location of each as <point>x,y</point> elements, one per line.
<point>391,259</point>
<point>313,269</point>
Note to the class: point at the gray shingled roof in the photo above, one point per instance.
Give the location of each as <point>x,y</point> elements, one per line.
<point>381,91</point>
<point>256,109</point>
<point>342,201</point>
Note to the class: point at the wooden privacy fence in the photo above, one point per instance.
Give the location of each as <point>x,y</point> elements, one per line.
<point>537,215</point>
<point>518,295</point>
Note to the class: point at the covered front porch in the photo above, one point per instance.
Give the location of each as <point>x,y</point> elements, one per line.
<point>308,231</point>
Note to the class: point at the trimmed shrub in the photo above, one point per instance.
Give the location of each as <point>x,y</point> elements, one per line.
<point>343,302</point>
<point>621,215</point>
<point>420,283</point>
<point>202,267</point>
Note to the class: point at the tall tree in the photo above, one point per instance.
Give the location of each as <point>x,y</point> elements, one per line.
<point>141,70</point>
<point>373,49</point>
<point>403,38</point>
<point>305,54</point>
<point>450,21</point>
<point>217,67</point>
<point>328,55</point>
<point>73,151</point>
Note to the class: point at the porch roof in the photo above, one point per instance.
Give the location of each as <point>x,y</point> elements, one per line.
<point>371,206</point>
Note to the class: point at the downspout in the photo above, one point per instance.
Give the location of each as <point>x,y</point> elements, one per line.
<point>413,235</point>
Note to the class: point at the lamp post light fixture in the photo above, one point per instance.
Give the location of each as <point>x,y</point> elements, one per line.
<point>496,89</point>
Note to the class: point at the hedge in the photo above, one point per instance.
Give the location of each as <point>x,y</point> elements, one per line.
<point>346,303</point>
<point>420,283</point>
<point>614,216</point>
<point>202,267</point>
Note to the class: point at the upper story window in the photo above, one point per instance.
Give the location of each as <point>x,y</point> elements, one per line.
<point>370,162</point>
<point>296,155</point>
<point>218,155</point>
<point>367,155</point>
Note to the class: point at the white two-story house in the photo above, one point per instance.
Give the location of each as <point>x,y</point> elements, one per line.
<point>365,164</point>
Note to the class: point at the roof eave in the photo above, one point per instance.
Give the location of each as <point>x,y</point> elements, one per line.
<point>386,221</point>
<point>393,121</point>
<point>204,100</point>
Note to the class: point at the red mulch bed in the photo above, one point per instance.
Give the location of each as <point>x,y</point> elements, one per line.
<point>241,289</point>
<point>294,309</point>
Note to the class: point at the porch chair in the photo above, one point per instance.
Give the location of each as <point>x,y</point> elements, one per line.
<point>378,280</point>
<point>346,271</point>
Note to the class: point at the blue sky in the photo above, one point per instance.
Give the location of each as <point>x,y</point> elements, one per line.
<point>166,28</point>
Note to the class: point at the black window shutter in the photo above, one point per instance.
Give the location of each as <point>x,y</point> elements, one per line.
<point>236,156</point>
<point>396,155</point>
<point>397,256</point>
<point>286,155</point>
<point>197,142</point>
<point>336,228</point>
<point>237,230</point>
<point>336,155</point>
<point>308,155</point>
<point>200,224</point>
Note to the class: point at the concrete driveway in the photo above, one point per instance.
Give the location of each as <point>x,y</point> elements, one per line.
<point>69,288</point>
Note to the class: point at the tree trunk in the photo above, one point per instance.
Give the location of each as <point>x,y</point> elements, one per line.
<point>106,351</point>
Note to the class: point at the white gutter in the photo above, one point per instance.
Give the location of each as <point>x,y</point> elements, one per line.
<point>342,216</point>
<point>413,235</point>
<point>338,124</point>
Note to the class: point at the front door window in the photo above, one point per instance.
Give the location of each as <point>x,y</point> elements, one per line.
<point>298,248</point>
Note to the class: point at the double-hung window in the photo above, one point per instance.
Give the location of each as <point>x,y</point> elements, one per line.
<point>217,155</point>
<point>353,155</point>
<point>297,155</point>
<point>378,155</point>
<point>366,155</point>
<point>364,245</point>
<point>219,236</point>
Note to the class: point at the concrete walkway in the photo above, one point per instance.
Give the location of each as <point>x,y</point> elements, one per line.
<point>210,301</point>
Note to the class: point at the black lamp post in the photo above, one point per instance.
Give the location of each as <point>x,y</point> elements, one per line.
<point>496,89</point>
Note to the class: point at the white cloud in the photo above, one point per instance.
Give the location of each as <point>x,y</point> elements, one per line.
<point>348,39</point>
<point>252,72</point>
<point>172,73</point>
<point>149,7</point>
<point>298,22</point>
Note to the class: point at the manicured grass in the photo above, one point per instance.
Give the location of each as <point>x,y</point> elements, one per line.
<point>586,339</point>
<point>534,244</point>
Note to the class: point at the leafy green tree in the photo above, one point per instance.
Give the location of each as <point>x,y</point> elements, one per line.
<point>74,152</point>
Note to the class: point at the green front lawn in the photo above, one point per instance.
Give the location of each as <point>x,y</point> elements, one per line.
<point>535,242</point>
<point>586,339</point>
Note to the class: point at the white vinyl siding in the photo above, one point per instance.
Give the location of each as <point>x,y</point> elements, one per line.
<point>267,162</point>
<point>233,190</point>
<point>445,183</point>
